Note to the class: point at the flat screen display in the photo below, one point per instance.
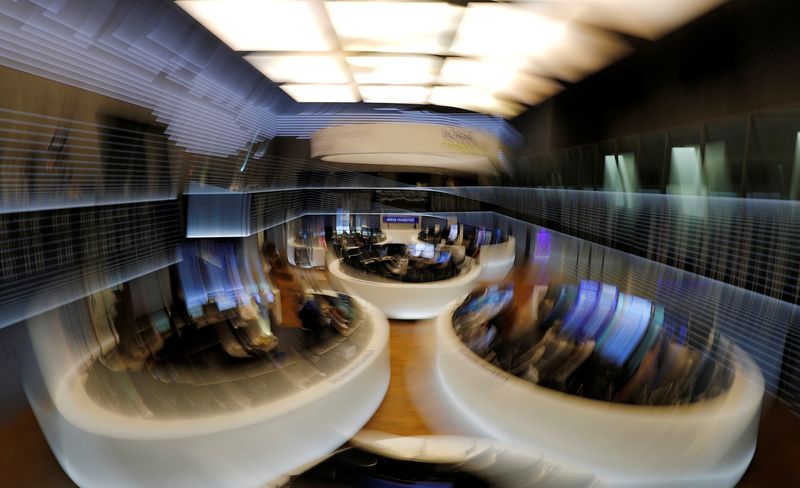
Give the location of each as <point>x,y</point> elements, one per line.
<point>428,250</point>
<point>453,233</point>
<point>585,305</point>
<point>602,313</point>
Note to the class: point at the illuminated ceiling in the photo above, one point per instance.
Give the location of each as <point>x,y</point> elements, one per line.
<point>490,57</point>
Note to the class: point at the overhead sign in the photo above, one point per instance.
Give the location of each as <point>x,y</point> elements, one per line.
<point>400,219</point>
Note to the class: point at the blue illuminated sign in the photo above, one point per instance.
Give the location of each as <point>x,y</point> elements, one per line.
<point>400,219</point>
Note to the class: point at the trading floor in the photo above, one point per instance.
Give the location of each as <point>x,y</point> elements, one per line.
<point>399,243</point>
<point>413,406</point>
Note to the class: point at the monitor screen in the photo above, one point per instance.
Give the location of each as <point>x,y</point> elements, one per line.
<point>629,330</point>
<point>601,314</point>
<point>453,232</point>
<point>423,249</point>
<point>428,250</point>
<point>584,306</point>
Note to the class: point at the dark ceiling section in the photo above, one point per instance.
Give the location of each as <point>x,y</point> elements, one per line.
<point>740,58</point>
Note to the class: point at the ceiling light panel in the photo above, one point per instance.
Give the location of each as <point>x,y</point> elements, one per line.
<point>580,51</point>
<point>416,95</point>
<point>394,70</point>
<point>645,18</point>
<point>321,93</point>
<point>396,27</point>
<point>498,77</point>
<point>262,25</point>
<point>318,68</point>
<point>649,19</point>
<point>506,30</point>
<point>474,98</point>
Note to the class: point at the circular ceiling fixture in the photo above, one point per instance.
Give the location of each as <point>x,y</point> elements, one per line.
<point>409,147</point>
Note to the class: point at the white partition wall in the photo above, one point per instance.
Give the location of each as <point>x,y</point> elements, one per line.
<point>497,260</point>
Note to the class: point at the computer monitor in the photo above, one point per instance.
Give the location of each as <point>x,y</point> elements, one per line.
<point>453,235</point>
<point>628,330</point>
<point>428,251</point>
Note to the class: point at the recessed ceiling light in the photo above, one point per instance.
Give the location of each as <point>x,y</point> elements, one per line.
<point>498,77</point>
<point>321,93</point>
<point>474,98</point>
<point>394,70</point>
<point>314,68</point>
<point>496,51</point>
<point>580,52</point>
<point>394,94</point>
<point>649,19</point>
<point>490,29</point>
<point>261,25</point>
<point>400,27</point>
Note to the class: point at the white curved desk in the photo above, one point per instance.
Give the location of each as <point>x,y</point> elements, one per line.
<point>497,260</point>
<point>501,464</point>
<point>251,446</point>
<point>708,444</point>
<point>407,301</point>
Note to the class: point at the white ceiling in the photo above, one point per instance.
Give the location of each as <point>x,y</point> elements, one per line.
<point>490,57</point>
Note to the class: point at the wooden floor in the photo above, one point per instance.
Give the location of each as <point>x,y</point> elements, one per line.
<point>413,406</point>
<point>25,458</point>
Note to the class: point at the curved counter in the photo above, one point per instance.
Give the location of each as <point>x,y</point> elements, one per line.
<point>499,463</point>
<point>251,430</point>
<point>407,301</point>
<point>497,260</point>
<point>708,443</point>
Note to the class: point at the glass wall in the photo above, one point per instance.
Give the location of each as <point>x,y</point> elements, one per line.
<point>754,155</point>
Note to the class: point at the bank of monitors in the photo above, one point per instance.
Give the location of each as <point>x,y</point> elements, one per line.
<point>424,250</point>
<point>595,341</point>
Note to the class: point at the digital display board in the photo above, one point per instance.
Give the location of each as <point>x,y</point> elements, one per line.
<point>400,219</point>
